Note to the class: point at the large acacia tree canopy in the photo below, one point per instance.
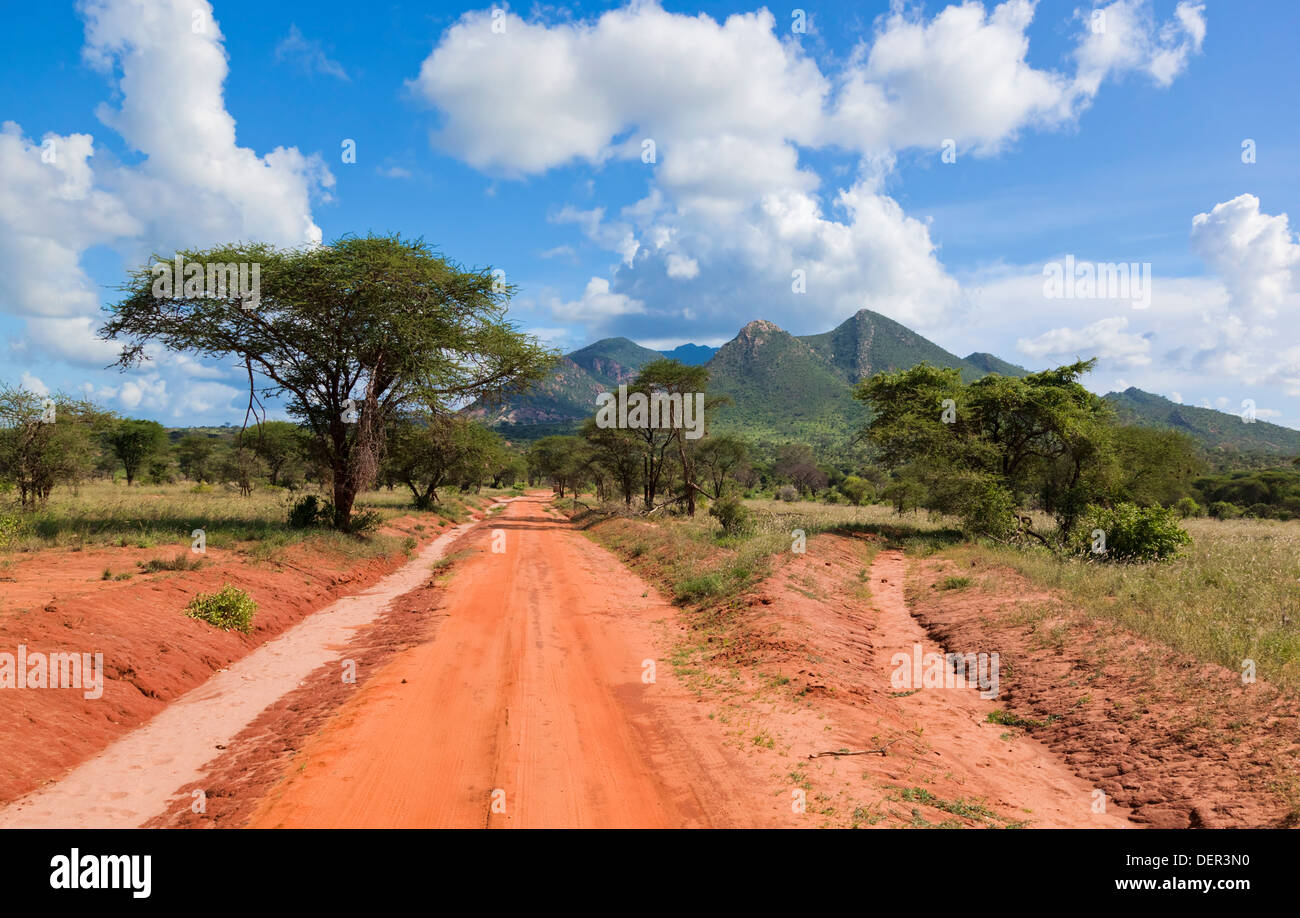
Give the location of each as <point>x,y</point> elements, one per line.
<point>350,334</point>
<point>378,319</point>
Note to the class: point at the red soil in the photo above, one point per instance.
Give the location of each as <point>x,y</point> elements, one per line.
<point>56,601</point>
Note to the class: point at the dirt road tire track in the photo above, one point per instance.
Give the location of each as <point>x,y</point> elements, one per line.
<point>533,689</point>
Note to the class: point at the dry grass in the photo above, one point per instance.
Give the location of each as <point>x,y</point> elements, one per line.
<point>1234,595</point>
<point>103,513</point>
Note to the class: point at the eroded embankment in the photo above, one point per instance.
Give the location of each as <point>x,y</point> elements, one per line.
<point>56,602</point>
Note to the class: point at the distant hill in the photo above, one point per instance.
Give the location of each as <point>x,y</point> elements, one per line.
<point>569,393</point>
<point>781,388</point>
<point>868,343</point>
<point>788,387</point>
<point>1215,431</point>
<point>987,363</point>
<point>693,355</point>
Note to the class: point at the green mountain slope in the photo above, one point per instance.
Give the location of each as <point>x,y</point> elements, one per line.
<point>1216,431</point>
<point>610,360</point>
<point>987,363</point>
<point>569,393</point>
<point>785,387</point>
<point>781,388</point>
<point>869,343</point>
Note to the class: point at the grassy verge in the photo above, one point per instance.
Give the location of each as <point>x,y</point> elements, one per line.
<point>106,514</point>
<point>697,564</point>
<point>1234,595</point>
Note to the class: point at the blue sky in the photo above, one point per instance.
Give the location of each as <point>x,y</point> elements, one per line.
<point>821,152</point>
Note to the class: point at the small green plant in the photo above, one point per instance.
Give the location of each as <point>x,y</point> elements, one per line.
<point>230,609</point>
<point>11,527</point>
<point>1009,719</point>
<point>179,563</point>
<point>363,523</point>
<point>697,588</point>
<point>954,583</point>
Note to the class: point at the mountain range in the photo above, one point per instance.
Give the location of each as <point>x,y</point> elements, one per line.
<point>799,387</point>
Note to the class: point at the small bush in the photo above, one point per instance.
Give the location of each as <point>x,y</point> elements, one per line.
<point>732,514</point>
<point>696,588</point>
<point>230,609</point>
<point>954,583</point>
<point>787,493</point>
<point>11,527</point>
<point>1132,533</point>
<point>985,507</point>
<point>1222,510</point>
<point>363,523</point>
<point>179,563</point>
<point>857,490</point>
<point>1188,507</point>
<point>309,511</point>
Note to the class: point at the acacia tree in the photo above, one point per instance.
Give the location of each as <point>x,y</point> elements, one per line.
<point>560,460</point>
<point>46,441</point>
<point>348,334</point>
<point>796,462</point>
<point>279,445</point>
<point>427,453</point>
<point>134,442</point>
<point>722,458</point>
<point>615,451</point>
<point>981,450</point>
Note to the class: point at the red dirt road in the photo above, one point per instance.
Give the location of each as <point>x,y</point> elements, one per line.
<point>529,709</point>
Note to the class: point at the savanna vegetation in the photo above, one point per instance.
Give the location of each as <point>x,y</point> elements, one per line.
<point>370,345</point>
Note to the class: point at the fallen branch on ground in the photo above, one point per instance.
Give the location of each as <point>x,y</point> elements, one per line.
<point>880,751</point>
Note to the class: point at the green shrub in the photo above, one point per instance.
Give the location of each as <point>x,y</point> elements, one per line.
<point>362,523</point>
<point>1132,533</point>
<point>11,528</point>
<point>702,587</point>
<point>787,493</point>
<point>1188,507</point>
<point>230,609</point>
<point>178,563</point>
<point>732,514</point>
<point>985,507</point>
<point>857,490</point>
<point>309,511</point>
<point>1222,510</point>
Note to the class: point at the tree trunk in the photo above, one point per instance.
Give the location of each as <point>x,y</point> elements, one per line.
<point>344,496</point>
